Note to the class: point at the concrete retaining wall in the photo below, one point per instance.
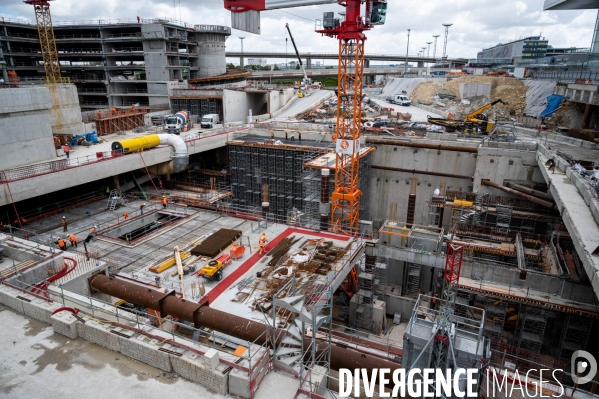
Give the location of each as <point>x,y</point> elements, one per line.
<point>65,115</point>
<point>25,128</point>
<point>469,90</point>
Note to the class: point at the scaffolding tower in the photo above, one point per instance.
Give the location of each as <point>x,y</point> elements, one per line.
<point>575,335</point>
<point>531,329</point>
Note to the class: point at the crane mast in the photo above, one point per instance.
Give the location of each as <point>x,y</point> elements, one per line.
<point>345,201</point>
<point>47,40</point>
<point>307,80</point>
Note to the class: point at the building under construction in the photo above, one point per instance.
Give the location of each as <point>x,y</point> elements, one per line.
<point>215,259</point>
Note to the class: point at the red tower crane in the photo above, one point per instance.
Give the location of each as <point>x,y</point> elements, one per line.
<point>345,210</point>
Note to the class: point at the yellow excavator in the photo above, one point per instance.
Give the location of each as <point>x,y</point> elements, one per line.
<point>482,122</point>
<point>474,123</point>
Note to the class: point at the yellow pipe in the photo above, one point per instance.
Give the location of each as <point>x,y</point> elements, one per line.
<point>136,144</point>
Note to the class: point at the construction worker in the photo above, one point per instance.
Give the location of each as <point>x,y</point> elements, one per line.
<point>160,183</point>
<point>141,208</point>
<point>73,239</point>
<point>91,234</point>
<point>99,114</point>
<point>164,202</point>
<point>299,136</point>
<point>125,215</point>
<point>62,244</point>
<point>66,150</point>
<point>434,302</point>
<point>292,136</point>
<point>286,135</point>
<point>108,191</point>
<point>113,110</point>
<point>138,19</point>
<point>262,241</point>
<point>132,108</point>
<point>64,223</point>
<point>272,135</point>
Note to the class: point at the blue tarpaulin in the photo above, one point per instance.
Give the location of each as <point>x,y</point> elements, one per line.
<point>553,102</point>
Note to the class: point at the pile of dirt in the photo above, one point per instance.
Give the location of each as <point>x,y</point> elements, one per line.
<point>507,89</point>
<point>459,110</point>
<point>569,115</point>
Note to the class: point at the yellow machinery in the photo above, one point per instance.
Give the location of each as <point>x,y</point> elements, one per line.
<point>136,144</point>
<point>481,120</point>
<point>167,263</point>
<point>214,269</point>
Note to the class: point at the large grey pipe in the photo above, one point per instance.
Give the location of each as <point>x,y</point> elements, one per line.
<point>181,157</point>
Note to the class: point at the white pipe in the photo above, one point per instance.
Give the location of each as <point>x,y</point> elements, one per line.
<point>181,157</point>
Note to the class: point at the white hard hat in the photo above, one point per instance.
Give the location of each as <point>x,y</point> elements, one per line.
<point>95,227</point>
<point>64,217</point>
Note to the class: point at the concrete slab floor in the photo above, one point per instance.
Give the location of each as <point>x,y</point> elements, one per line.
<point>37,363</point>
<point>303,104</point>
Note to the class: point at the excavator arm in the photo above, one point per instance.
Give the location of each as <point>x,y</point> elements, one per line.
<point>473,114</point>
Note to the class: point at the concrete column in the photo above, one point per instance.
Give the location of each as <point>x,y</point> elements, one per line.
<point>116,182</point>
<point>265,208</point>
<point>308,63</point>
<point>586,118</point>
<point>420,64</point>
<point>366,63</point>
<point>241,62</point>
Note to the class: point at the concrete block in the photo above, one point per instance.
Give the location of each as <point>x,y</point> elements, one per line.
<point>64,323</point>
<point>8,297</point>
<point>239,384</point>
<point>39,309</point>
<point>211,359</point>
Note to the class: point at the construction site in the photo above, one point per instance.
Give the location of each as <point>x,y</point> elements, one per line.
<point>421,222</point>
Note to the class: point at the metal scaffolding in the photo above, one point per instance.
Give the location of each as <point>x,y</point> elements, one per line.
<point>118,123</point>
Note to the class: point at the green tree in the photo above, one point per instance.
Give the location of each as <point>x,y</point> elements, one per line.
<point>230,66</point>
<point>276,67</point>
<point>297,66</point>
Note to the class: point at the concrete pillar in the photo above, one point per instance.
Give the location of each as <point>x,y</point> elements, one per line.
<point>116,182</point>
<point>366,63</point>
<point>324,208</point>
<point>241,62</point>
<point>586,118</point>
<point>420,64</point>
<point>4,74</point>
<point>265,209</point>
<point>308,63</point>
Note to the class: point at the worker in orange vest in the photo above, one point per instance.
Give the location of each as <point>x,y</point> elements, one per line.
<point>263,240</point>
<point>164,202</point>
<point>73,239</point>
<point>113,110</point>
<point>99,114</point>
<point>434,301</point>
<point>91,234</point>
<point>66,150</point>
<point>61,244</point>
<point>64,223</point>
<point>125,215</point>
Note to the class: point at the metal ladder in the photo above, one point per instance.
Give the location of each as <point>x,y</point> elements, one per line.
<point>115,197</point>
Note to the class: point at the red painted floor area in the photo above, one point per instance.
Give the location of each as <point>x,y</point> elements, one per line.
<point>251,261</point>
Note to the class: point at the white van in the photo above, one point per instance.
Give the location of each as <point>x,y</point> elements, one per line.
<point>209,120</point>
<point>401,99</point>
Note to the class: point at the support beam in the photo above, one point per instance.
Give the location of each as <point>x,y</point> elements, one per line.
<point>520,256</point>
<point>530,191</point>
<point>586,118</point>
<point>440,147</point>
<point>486,182</point>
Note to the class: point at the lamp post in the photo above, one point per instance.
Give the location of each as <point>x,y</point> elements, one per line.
<point>407,50</point>
<point>435,46</point>
<point>445,44</point>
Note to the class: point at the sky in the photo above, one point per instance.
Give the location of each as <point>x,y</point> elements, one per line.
<point>477,24</point>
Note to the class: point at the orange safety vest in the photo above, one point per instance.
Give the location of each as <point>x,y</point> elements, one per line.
<point>61,243</point>
<point>72,238</point>
<point>125,215</point>
<point>164,201</point>
<point>93,230</point>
